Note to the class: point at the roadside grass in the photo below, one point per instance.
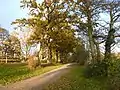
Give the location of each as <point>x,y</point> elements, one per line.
<point>75,80</point>
<point>10,73</point>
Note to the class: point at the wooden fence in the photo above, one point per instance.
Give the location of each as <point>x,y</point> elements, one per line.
<point>10,60</point>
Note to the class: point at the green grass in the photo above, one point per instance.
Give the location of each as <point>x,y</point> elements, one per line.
<point>75,80</point>
<point>10,73</point>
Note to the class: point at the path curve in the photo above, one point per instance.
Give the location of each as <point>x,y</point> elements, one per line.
<point>38,82</point>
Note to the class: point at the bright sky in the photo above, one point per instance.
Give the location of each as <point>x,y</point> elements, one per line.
<point>9,11</point>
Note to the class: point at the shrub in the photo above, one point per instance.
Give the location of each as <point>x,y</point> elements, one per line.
<point>32,62</point>
<point>110,68</point>
<point>114,75</point>
<point>97,69</point>
<point>114,82</point>
<point>44,61</point>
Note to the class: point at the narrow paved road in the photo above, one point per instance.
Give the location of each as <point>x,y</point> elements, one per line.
<point>3,88</point>
<point>38,82</point>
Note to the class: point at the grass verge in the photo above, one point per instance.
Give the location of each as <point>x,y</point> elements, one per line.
<point>10,73</point>
<point>75,80</point>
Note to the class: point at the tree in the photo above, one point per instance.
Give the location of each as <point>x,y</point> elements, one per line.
<point>112,9</point>
<point>79,54</point>
<point>22,33</point>
<point>15,46</point>
<point>3,36</point>
<point>63,41</point>
<point>9,45</point>
<point>44,20</point>
<point>84,18</point>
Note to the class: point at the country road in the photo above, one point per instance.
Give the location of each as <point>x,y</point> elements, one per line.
<point>39,82</point>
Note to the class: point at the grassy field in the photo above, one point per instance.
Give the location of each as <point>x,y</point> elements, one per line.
<point>10,73</point>
<point>75,80</point>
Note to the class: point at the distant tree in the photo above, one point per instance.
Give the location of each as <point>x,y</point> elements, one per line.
<point>63,42</point>
<point>15,46</point>
<point>80,54</point>
<point>4,34</point>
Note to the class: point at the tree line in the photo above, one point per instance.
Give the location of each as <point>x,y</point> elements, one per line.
<point>59,27</point>
<point>10,47</point>
<point>50,28</point>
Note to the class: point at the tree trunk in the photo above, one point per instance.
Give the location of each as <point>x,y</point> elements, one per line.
<point>90,34</point>
<point>50,54</point>
<point>6,58</point>
<point>61,58</point>
<point>91,42</point>
<point>40,54</point>
<point>56,56</point>
<point>108,43</point>
<point>110,38</point>
<point>98,54</point>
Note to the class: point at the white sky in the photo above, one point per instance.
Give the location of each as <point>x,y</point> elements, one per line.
<point>10,10</point>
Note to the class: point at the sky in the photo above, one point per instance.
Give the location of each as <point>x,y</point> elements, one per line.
<point>9,11</point>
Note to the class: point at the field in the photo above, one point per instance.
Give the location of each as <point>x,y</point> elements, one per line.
<point>10,73</point>
<point>75,80</point>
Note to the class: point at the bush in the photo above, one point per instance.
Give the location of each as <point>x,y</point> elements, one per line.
<point>114,75</point>
<point>32,62</point>
<point>97,69</point>
<point>43,61</point>
<point>114,82</point>
<point>110,68</point>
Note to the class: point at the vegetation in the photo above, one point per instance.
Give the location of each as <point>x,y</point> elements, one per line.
<point>97,69</point>
<point>10,47</point>
<point>75,80</point>
<point>10,73</point>
<point>63,31</point>
<point>50,30</point>
<point>114,75</point>
<point>92,77</point>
